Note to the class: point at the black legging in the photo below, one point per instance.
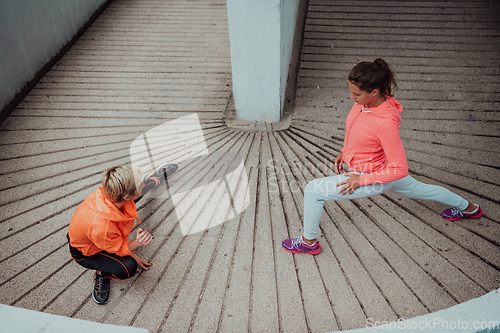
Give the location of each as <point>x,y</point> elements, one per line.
<point>111,265</point>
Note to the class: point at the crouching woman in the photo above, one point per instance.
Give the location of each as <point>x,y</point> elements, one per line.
<point>99,231</point>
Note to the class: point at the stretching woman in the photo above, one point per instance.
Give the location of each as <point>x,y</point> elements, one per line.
<point>375,156</point>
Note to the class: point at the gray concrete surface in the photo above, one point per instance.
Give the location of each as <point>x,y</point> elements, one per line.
<point>20,320</point>
<point>144,64</point>
<point>478,315</point>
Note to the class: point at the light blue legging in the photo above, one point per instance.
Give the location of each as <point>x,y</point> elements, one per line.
<point>321,189</point>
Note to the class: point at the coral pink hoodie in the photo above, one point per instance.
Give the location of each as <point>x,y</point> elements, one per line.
<point>372,144</point>
<point>98,225</point>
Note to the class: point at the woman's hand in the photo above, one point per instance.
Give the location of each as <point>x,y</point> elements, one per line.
<point>144,237</point>
<point>339,163</point>
<point>351,184</point>
<point>141,262</point>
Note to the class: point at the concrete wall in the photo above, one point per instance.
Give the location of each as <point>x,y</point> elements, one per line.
<point>288,23</point>
<point>31,33</point>
<point>261,35</point>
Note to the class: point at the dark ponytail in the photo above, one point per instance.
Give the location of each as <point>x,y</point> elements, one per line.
<point>368,76</point>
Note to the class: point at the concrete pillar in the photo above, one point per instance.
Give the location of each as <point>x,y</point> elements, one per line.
<point>261,35</point>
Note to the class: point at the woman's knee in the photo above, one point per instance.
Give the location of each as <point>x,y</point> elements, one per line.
<point>321,187</point>
<point>111,265</point>
<point>128,269</point>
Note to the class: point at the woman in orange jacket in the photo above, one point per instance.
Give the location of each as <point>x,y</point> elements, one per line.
<point>375,156</point>
<point>99,229</point>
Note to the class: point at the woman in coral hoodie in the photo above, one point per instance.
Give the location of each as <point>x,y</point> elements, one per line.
<point>375,156</point>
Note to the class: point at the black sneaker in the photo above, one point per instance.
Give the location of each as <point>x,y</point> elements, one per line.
<point>159,175</point>
<point>100,294</point>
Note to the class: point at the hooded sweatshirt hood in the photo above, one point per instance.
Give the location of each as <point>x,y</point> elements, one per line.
<point>390,109</point>
<point>104,208</point>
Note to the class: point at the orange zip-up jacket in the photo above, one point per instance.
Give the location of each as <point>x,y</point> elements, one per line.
<point>372,144</point>
<point>98,225</point>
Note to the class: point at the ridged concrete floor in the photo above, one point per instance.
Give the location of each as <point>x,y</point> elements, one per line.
<point>147,63</point>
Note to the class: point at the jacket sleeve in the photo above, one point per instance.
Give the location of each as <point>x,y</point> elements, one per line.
<point>397,166</point>
<point>111,241</point>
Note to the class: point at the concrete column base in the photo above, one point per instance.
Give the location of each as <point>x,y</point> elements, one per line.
<point>234,122</point>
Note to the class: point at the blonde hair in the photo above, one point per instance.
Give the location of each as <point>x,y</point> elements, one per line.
<point>118,183</point>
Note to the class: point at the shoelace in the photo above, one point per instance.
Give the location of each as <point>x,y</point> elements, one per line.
<point>102,286</point>
<point>296,242</point>
<point>456,212</point>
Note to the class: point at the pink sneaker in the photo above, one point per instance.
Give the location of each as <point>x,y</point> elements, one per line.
<point>454,214</point>
<point>296,245</point>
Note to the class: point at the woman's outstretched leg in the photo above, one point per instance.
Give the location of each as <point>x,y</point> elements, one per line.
<point>411,188</point>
